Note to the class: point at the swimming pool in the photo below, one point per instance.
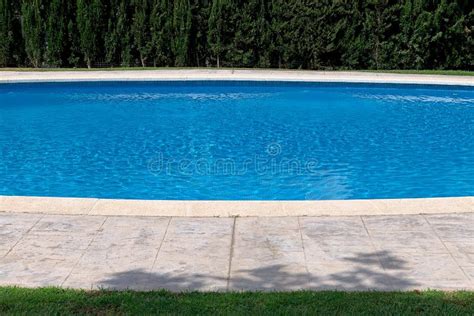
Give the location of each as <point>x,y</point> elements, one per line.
<point>236,140</point>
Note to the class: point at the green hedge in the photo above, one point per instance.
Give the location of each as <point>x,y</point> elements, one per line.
<point>306,34</point>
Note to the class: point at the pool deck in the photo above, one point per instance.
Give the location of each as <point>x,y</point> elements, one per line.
<point>397,244</point>
<point>117,207</point>
<point>400,252</point>
<point>229,74</point>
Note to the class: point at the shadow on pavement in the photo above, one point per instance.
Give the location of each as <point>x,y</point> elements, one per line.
<point>362,271</point>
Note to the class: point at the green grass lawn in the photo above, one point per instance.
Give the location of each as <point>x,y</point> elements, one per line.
<point>54,301</point>
<point>422,72</point>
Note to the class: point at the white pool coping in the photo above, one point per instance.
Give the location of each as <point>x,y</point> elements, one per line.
<point>90,206</point>
<point>236,75</point>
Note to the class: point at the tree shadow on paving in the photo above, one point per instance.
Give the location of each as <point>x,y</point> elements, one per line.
<point>361,271</point>
<point>140,279</point>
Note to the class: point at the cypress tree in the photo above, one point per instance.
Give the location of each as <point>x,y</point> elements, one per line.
<point>252,34</point>
<point>449,37</point>
<point>263,39</point>
<point>32,28</point>
<point>277,45</point>
<point>88,18</point>
<point>421,36</point>
<point>72,50</point>
<point>56,32</point>
<point>141,30</point>
<point>199,27</point>
<point>111,38</point>
<point>161,32</point>
<point>182,28</point>
<point>380,20</point>
<point>124,31</point>
<point>242,52</point>
<point>118,46</point>
<point>215,30</point>
<point>5,33</point>
<point>220,33</point>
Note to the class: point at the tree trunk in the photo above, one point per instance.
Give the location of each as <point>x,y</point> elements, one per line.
<point>218,62</point>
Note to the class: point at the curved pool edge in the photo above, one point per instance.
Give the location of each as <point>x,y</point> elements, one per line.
<point>234,75</point>
<point>185,208</point>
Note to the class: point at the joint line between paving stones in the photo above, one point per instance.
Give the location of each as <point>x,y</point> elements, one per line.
<point>93,206</point>
<point>446,247</point>
<point>302,245</point>
<point>84,252</point>
<point>161,243</point>
<point>23,236</point>
<point>373,245</point>
<point>231,253</point>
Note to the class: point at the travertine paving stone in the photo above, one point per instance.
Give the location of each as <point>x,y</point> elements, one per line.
<point>253,253</point>
<point>45,256</point>
<point>396,224</point>
<point>438,271</point>
<point>12,228</point>
<point>122,244</point>
<point>453,226</point>
<point>340,254</point>
<point>194,255</point>
<point>267,254</point>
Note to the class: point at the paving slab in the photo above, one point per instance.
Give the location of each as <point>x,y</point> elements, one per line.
<point>46,254</point>
<point>267,254</point>
<point>436,271</point>
<point>453,226</point>
<point>122,244</point>
<point>12,229</point>
<point>341,254</point>
<point>462,251</point>
<point>401,252</point>
<point>394,223</point>
<point>195,255</point>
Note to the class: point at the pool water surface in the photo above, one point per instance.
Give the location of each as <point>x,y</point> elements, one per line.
<point>236,140</point>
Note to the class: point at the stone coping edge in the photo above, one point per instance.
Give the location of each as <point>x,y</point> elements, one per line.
<point>236,75</point>
<point>117,207</point>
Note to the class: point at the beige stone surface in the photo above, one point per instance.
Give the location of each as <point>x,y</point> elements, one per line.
<point>231,74</point>
<point>117,207</point>
<point>194,255</point>
<point>267,254</point>
<point>46,205</point>
<point>122,244</point>
<point>249,253</point>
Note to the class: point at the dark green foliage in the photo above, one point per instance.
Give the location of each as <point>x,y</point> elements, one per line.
<point>301,34</point>
<point>5,33</point>
<point>88,17</point>
<point>118,39</point>
<point>182,28</point>
<point>141,30</point>
<point>56,32</point>
<point>221,29</point>
<point>161,28</point>
<point>199,27</point>
<point>32,27</point>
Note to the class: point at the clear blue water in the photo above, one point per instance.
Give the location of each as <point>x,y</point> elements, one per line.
<point>242,141</point>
